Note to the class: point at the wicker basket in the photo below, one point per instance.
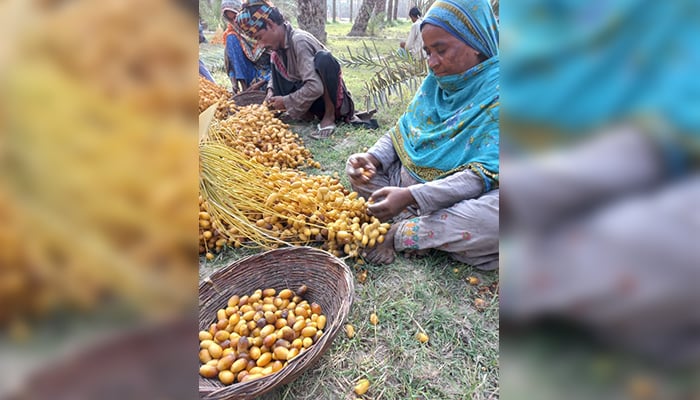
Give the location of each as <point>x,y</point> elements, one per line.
<point>329,282</point>
<point>248,98</point>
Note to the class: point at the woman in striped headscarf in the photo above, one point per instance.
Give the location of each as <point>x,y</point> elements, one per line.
<point>435,173</point>
<point>244,60</point>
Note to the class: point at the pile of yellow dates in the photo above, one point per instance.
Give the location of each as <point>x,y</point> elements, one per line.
<point>256,132</point>
<point>257,335</point>
<point>211,93</point>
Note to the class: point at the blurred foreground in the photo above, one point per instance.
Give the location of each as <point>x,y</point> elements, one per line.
<point>600,217</point>
<point>98,199</point>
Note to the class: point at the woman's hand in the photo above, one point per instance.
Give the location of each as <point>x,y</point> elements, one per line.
<point>234,85</point>
<point>389,201</point>
<point>268,95</point>
<point>277,103</point>
<point>360,168</point>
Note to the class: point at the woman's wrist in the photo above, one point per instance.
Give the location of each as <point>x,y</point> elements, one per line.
<point>374,161</point>
<point>407,197</point>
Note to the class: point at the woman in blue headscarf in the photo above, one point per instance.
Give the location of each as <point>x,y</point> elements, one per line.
<point>435,173</point>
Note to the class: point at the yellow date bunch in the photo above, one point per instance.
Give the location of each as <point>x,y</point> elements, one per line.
<point>211,93</point>
<point>244,202</point>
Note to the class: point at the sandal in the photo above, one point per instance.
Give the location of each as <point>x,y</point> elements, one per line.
<point>323,133</point>
<point>366,115</point>
<point>367,124</point>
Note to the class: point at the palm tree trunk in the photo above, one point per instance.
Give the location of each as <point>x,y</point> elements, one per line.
<point>359,28</point>
<point>311,17</point>
<point>380,6</point>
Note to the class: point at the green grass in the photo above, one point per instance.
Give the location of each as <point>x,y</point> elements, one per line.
<point>552,361</point>
<point>457,363</point>
<point>461,359</point>
<point>396,30</point>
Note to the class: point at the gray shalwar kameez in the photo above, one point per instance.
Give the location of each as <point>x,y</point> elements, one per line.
<point>452,214</point>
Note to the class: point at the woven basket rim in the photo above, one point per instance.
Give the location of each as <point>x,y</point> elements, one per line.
<point>313,259</point>
<point>251,97</point>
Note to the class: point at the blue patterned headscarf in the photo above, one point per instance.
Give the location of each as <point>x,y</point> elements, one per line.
<point>577,66</point>
<point>452,122</point>
<point>471,21</point>
<point>253,15</point>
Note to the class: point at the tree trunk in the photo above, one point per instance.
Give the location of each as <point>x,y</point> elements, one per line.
<point>380,6</point>
<point>334,13</point>
<point>396,9</point>
<point>350,11</point>
<point>359,28</point>
<point>311,17</point>
<point>390,9</point>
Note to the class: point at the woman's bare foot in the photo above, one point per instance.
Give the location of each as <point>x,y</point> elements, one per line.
<point>416,253</point>
<point>327,122</point>
<point>383,253</point>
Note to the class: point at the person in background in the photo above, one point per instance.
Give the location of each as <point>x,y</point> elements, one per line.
<point>203,71</point>
<point>414,42</point>
<point>436,173</point>
<point>202,39</point>
<point>306,80</point>
<point>244,60</point>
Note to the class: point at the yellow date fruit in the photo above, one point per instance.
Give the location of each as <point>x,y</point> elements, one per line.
<point>350,331</point>
<point>208,371</point>
<point>226,377</point>
<point>361,387</point>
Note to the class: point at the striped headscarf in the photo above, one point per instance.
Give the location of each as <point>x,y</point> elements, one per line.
<point>253,15</point>
<point>250,48</point>
<point>471,21</point>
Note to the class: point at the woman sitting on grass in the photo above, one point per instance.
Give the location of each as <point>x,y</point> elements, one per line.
<point>436,172</point>
<point>306,80</point>
<point>245,60</point>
